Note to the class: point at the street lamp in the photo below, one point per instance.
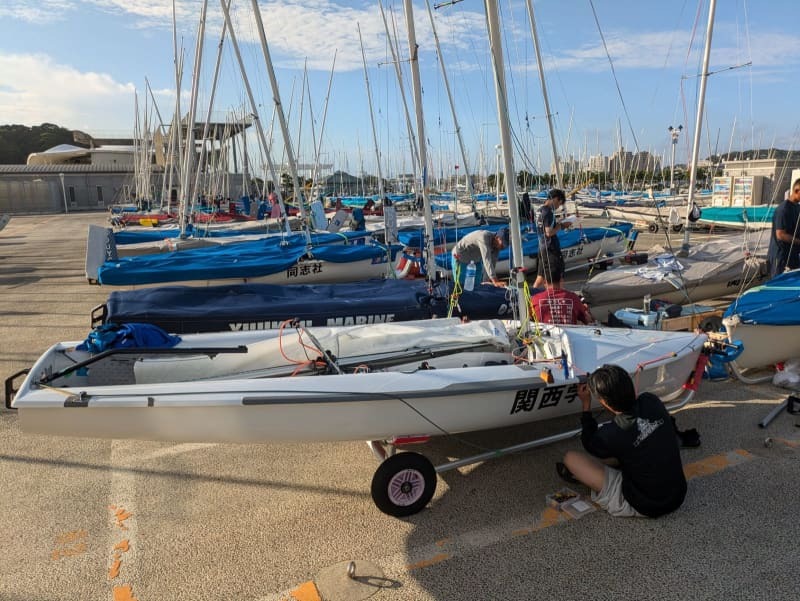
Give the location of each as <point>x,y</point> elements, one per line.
<point>674,132</point>
<point>63,192</point>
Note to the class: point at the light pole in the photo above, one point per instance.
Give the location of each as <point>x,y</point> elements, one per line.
<point>674,132</point>
<point>63,192</point>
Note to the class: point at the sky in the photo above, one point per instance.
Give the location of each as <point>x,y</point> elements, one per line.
<point>618,73</point>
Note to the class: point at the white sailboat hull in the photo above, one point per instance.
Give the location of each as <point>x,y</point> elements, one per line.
<point>467,391</point>
<point>763,345</point>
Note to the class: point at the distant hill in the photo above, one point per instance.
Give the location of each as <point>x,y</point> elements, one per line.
<point>766,153</point>
<point>18,141</point>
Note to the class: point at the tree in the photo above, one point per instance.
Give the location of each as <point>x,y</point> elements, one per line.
<point>18,141</point>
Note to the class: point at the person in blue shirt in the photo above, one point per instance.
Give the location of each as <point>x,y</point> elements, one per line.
<point>784,242</point>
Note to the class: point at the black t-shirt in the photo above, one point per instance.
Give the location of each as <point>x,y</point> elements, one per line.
<point>547,218</point>
<point>785,218</point>
<point>646,446</point>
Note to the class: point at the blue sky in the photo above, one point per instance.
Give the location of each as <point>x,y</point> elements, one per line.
<point>78,63</point>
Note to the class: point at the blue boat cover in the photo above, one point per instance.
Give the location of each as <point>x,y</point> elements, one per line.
<point>568,239</point>
<point>187,309</point>
<point>123,237</point>
<point>775,303</point>
<point>230,261</point>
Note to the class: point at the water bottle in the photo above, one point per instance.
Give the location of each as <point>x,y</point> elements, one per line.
<point>469,281</point>
<point>646,304</point>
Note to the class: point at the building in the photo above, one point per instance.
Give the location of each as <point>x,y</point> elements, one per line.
<point>598,163</point>
<point>777,174</point>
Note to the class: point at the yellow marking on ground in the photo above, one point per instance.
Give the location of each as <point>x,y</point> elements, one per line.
<point>124,593</point>
<point>70,544</point>
<point>789,443</point>
<point>122,545</point>
<point>120,515</point>
<point>715,463</point>
<point>113,571</point>
<point>443,542</point>
<point>426,563</point>
<point>306,592</point>
<point>550,517</point>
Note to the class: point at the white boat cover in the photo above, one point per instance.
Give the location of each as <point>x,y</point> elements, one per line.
<point>287,350</point>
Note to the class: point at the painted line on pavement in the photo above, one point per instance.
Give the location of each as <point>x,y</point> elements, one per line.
<point>448,548</point>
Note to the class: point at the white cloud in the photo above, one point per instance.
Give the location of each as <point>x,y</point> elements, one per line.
<point>38,90</point>
<point>41,11</point>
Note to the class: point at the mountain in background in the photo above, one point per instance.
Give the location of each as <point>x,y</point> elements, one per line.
<point>18,141</point>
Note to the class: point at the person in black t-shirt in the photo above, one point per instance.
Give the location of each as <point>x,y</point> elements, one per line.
<point>784,243</point>
<point>549,244</point>
<point>649,480</point>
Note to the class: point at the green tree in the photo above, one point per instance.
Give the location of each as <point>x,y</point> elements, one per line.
<point>18,141</point>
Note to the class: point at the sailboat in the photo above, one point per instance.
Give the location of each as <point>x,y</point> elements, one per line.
<point>385,383</point>
<point>766,321</point>
<point>693,274</point>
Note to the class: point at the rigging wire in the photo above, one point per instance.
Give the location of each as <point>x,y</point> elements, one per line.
<point>614,73</point>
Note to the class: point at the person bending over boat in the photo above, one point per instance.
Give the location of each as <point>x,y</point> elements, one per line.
<point>641,439</point>
<point>549,244</point>
<point>784,242</point>
<point>555,304</point>
<point>483,248</point>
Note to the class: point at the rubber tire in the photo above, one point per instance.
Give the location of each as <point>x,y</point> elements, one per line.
<point>652,228</point>
<point>677,228</point>
<point>417,467</point>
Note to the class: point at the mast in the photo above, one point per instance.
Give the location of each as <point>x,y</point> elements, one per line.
<point>540,66</point>
<point>287,140</point>
<point>423,157</point>
<point>698,123</point>
<point>189,150</point>
<point>396,62</point>
<point>254,109</point>
<point>452,111</point>
<point>371,115</point>
<point>495,41</point>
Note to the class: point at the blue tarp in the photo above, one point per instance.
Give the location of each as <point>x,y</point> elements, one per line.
<point>199,231</point>
<point>568,239</point>
<point>776,303</point>
<point>128,335</point>
<point>186,309</point>
<point>229,261</point>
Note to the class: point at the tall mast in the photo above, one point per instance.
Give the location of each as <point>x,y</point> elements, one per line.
<point>495,41</point>
<point>254,109</point>
<point>189,150</point>
<point>698,123</point>
<point>452,109</point>
<point>287,140</point>
<point>396,62</point>
<point>423,157</point>
<point>540,66</point>
<point>371,115</point>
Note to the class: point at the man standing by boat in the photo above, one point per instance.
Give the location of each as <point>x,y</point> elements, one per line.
<point>549,244</point>
<point>483,248</point>
<point>641,439</point>
<point>784,243</point>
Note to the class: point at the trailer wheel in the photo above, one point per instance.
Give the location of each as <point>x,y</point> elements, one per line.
<point>652,228</point>
<point>711,324</point>
<point>403,484</point>
<point>677,227</point>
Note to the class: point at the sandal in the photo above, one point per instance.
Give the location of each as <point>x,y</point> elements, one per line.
<point>566,475</point>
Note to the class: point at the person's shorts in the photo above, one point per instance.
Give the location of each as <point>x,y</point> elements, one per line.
<point>556,261</point>
<point>610,497</point>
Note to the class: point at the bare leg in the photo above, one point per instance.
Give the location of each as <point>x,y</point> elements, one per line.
<point>586,468</point>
